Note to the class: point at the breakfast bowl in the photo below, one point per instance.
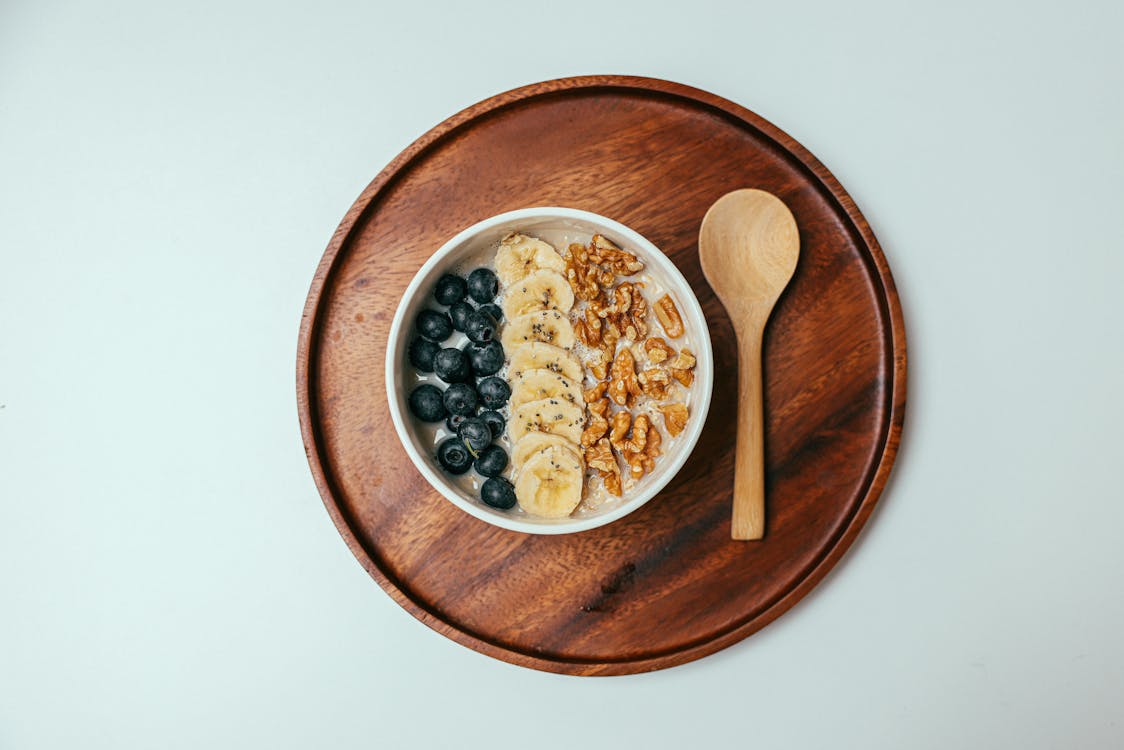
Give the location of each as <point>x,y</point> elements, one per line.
<point>605,377</point>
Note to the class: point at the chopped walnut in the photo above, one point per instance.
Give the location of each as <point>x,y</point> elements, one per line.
<point>596,393</point>
<point>682,367</point>
<point>596,430</point>
<point>622,301</point>
<point>600,407</point>
<point>652,449</point>
<point>674,418</point>
<point>637,326</point>
<point>622,420</point>
<point>627,313</point>
<point>588,328</point>
<point>635,463</point>
<point>585,273</point>
<point>599,364</point>
<point>612,481</point>
<point>610,336</point>
<point>686,377</point>
<point>623,385</point>
<point>657,350</point>
<point>581,273</point>
<point>598,422</point>
<point>668,315</point>
<point>599,455</point>
<point>654,382</point>
<point>685,360</point>
<point>605,253</point>
<point>638,439</point>
<point>635,449</point>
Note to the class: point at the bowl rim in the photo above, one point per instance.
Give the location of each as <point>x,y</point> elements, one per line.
<point>700,406</point>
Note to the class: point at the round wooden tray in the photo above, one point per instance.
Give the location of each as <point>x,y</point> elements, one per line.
<point>666,584</point>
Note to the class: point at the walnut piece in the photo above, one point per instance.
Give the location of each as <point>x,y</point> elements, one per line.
<point>686,377</point>
<point>674,418</point>
<point>635,448</point>
<point>623,385</point>
<point>600,407</point>
<point>612,481</point>
<point>581,274</point>
<point>657,350</point>
<point>590,327</point>
<point>598,423</point>
<point>682,367</point>
<point>626,316</point>
<point>596,393</point>
<point>685,360</point>
<point>599,364</point>
<point>636,442</point>
<point>599,456</point>
<point>652,449</point>
<point>596,430</point>
<point>654,382</point>
<point>636,326</point>
<point>622,420</point>
<point>605,253</point>
<point>668,315</point>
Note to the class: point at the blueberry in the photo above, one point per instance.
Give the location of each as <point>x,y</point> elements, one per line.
<point>427,404</point>
<point>494,392</point>
<point>459,313</point>
<point>475,435</point>
<point>482,285</point>
<point>494,420</point>
<point>491,461</point>
<point>422,352</point>
<point>486,359</point>
<point>498,493</point>
<point>452,366</point>
<point>453,422</point>
<point>453,456</point>
<point>434,325</point>
<point>460,398</point>
<point>479,327</point>
<point>450,288</point>
<point>492,311</point>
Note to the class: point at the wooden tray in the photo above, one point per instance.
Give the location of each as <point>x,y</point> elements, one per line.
<point>666,584</point>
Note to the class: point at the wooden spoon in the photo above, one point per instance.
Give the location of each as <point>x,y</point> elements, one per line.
<point>748,247</point>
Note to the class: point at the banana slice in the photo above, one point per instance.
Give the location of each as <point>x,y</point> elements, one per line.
<point>519,255</point>
<point>540,356</point>
<point>547,415</point>
<point>538,290</point>
<point>533,385</point>
<point>536,442</point>
<point>548,326</point>
<point>550,483</point>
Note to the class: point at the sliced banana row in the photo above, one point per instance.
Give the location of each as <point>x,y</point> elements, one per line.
<point>547,409</point>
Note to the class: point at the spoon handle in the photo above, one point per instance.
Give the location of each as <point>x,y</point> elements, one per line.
<point>749,461</point>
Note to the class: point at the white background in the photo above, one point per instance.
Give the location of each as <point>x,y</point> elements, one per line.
<point>169,177</point>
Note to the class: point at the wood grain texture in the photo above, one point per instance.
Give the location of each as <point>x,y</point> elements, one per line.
<point>666,584</point>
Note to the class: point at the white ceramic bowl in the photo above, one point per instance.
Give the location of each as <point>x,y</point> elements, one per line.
<point>558,226</point>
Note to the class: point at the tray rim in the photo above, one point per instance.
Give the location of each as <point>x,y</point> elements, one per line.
<point>310,319</point>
